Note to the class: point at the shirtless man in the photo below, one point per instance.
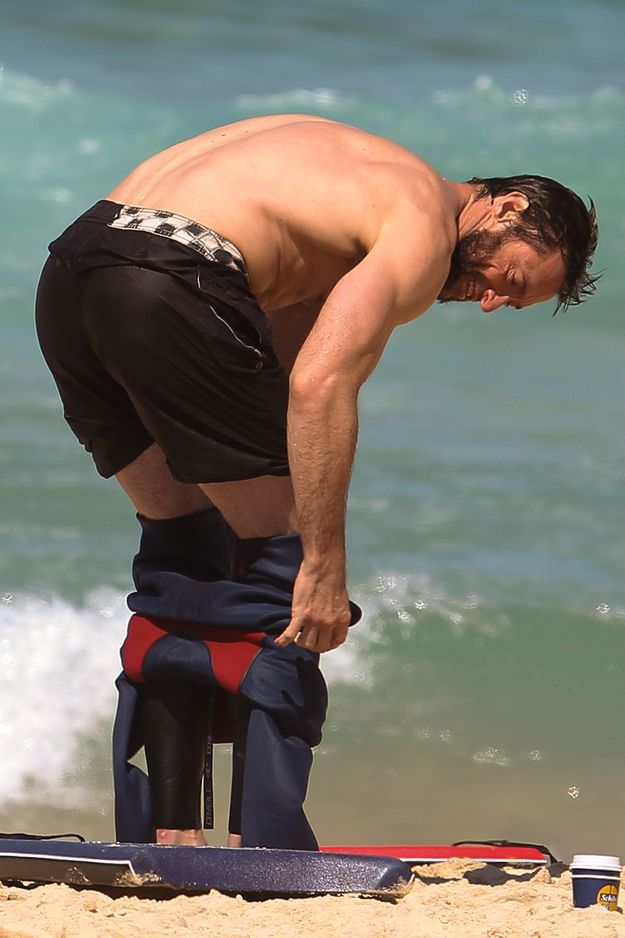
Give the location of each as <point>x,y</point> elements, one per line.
<point>331,235</point>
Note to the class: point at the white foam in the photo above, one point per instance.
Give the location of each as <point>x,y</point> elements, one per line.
<point>294,98</point>
<point>59,663</point>
<point>399,600</point>
<point>29,94</point>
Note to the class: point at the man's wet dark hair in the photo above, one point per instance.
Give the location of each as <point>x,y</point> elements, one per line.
<point>556,217</point>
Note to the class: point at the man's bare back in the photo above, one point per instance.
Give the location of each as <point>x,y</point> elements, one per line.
<point>303,198</point>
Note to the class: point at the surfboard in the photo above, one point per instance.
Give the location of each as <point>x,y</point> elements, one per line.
<point>245,870</point>
<point>506,855</point>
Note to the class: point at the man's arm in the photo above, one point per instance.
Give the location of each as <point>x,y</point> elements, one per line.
<point>341,351</point>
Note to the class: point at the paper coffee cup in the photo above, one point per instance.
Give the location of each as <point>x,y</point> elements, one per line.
<point>596,880</point>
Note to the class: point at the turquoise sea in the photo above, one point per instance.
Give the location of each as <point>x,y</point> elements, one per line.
<point>484,693</point>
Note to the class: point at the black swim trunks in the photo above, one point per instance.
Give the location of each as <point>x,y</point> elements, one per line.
<point>148,324</point>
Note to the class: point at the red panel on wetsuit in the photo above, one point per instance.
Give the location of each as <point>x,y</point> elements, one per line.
<point>142,633</point>
<point>231,655</point>
<point>231,651</point>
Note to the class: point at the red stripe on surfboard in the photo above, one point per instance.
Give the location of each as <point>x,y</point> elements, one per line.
<point>436,854</point>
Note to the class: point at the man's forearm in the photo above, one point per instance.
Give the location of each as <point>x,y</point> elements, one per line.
<point>322,433</point>
<point>339,354</point>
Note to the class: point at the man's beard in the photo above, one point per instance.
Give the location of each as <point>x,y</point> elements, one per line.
<point>472,253</point>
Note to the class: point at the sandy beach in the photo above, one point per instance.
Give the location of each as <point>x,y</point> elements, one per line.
<point>455,899</point>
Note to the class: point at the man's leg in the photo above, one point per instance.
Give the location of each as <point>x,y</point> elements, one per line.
<point>260,507</point>
<point>178,711</point>
<point>153,490</point>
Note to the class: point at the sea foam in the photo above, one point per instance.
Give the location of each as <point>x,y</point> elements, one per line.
<point>59,663</point>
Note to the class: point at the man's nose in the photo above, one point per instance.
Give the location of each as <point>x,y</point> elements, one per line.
<point>491,301</point>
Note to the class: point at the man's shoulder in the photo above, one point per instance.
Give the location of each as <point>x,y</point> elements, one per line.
<point>414,244</point>
<point>420,212</point>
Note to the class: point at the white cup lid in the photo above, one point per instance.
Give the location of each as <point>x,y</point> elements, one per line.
<point>587,860</point>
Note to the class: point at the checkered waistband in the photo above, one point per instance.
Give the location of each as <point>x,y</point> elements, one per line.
<point>208,243</point>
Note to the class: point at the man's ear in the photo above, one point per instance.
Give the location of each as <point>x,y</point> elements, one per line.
<point>507,207</point>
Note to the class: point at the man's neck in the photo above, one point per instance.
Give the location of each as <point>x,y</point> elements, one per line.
<point>471,212</point>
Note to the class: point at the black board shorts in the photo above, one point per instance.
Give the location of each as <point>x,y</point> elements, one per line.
<point>149,327</point>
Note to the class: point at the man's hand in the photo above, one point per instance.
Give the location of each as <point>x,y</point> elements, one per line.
<point>320,614</point>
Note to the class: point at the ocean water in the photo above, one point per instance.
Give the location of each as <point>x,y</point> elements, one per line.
<point>483,694</point>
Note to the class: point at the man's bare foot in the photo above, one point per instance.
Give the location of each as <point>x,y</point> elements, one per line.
<point>190,838</point>
<point>234,840</point>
